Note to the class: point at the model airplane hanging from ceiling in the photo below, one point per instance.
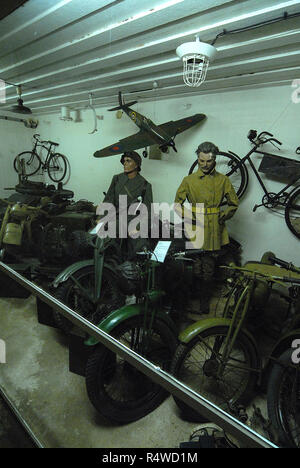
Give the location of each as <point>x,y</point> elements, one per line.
<point>149,134</point>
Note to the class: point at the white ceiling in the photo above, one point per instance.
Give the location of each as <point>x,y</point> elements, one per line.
<point>62,50</point>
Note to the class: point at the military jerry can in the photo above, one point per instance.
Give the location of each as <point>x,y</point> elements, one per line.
<point>13,234</point>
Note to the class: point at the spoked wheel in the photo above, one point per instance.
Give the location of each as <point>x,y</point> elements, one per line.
<point>79,297</point>
<point>283,399</point>
<point>57,167</point>
<point>292,213</point>
<point>197,365</point>
<point>228,164</point>
<point>32,163</point>
<point>119,391</point>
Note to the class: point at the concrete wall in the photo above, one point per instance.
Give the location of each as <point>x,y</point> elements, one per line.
<point>14,138</point>
<point>230,115</point>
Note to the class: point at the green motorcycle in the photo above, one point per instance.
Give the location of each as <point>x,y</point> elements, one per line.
<point>117,389</point>
<point>283,383</point>
<point>89,285</point>
<point>219,356</point>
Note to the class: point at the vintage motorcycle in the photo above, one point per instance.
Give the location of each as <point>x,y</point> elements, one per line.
<point>117,389</point>
<point>149,326</point>
<point>283,381</point>
<point>88,285</point>
<point>219,356</point>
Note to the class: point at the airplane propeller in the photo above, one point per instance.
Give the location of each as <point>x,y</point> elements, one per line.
<point>171,143</point>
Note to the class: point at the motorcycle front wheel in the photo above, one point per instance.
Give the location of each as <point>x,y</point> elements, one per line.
<point>196,364</point>
<point>118,390</point>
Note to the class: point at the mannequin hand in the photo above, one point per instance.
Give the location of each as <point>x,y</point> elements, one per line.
<point>222,219</point>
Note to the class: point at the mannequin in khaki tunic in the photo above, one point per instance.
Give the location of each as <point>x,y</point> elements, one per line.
<point>209,187</point>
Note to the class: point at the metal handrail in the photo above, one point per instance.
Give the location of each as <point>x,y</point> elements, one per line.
<point>20,418</point>
<point>208,409</point>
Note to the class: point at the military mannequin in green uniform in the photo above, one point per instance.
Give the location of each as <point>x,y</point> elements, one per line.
<point>136,188</point>
<point>209,187</point>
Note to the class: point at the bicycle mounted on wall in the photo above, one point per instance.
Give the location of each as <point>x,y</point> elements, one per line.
<point>235,168</point>
<point>55,164</point>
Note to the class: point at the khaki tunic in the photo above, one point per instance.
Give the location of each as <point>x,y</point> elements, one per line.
<point>210,189</point>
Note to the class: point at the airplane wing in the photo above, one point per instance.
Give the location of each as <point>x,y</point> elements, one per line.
<point>131,143</point>
<point>142,139</point>
<point>173,127</point>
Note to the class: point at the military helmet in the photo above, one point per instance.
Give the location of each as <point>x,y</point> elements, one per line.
<point>133,155</point>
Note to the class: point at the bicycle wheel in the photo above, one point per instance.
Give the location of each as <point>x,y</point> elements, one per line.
<point>196,365</point>
<point>227,164</point>
<point>57,167</point>
<point>292,213</point>
<point>117,389</point>
<point>71,294</point>
<point>32,162</point>
<point>283,400</point>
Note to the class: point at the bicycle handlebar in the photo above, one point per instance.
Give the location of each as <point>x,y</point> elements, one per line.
<point>45,142</point>
<point>260,139</point>
<point>270,140</point>
<point>291,280</point>
<point>265,133</point>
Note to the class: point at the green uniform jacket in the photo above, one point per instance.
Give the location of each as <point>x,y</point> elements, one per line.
<point>210,189</point>
<point>133,188</point>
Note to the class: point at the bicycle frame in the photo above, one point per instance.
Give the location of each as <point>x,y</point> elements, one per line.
<point>40,143</point>
<point>49,153</point>
<point>247,157</point>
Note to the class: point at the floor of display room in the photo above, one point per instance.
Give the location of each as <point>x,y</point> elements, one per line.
<point>53,401</point>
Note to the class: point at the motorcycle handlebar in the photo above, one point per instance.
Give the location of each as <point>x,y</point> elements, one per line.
<point>283,263</point>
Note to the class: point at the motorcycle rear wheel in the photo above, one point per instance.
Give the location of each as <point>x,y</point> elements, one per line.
<point>283,400</point>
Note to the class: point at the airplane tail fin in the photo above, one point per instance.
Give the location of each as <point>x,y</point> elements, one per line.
<point>122,105</point>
